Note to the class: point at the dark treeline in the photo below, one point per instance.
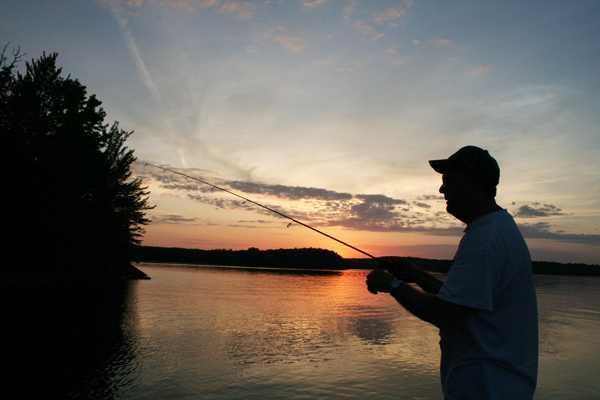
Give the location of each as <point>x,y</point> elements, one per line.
<point>553,268</point>
<point>539,267</point>
<point>310,258</point>
<point>282,258</point>
<point>72,203</point>
<point>430,265</point>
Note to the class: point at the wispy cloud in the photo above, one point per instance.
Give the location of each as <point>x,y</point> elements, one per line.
<point>171,219</point>
<point>440,42</point>
<point>433,42</point>
<point>140,66</point>
<point>537,210</point>
<point>236,9</point>
<point>480,70</point>
<point>368,30</point>
<point>239,9</point>
<point>289,42</point>
<point>314,3</point>
<point>422,205</point>
<point>288,192</point>
<point>348,10</point>
<point>390,13</point>
<point>123,20</point>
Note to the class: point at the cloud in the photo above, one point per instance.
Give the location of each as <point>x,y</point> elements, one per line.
<point>207,3</point>
<point>289,42</point>
<point>368,30</point>
<point>381,17</point>
<point>292,43</point>
<point>537,210</point>
<point>321,62</point>
<point>347,12</point>
<point>135,55</point>
<point>171,219</point>
<point>168,179</point>
<point>237,9</point>
<point>375,212</point>
<point>379,199</point>
<point>288,192</point>
<point>541,230</point>
<point>430,197</point>
<point>118,5</point>
<point>366,212</point>
<point>314,3</point>
<point>240,10</point>
<point>439,42</point>
<point>480,70</point>
<point>363,212</point>
<point>422,205</point>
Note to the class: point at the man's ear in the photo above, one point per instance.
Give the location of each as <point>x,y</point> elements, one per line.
<point>473,182</point>
<point>482,188</point>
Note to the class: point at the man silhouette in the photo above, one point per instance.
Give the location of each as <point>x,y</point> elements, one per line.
<point>486,309</point>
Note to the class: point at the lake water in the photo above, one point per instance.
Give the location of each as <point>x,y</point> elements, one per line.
<point>234,333</point>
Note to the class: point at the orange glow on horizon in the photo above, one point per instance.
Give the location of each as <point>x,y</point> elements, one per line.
<point>377,244</point>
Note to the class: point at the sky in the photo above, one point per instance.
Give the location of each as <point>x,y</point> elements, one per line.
<point>329,110</point>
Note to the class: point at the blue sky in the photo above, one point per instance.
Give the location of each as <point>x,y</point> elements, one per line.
<point>330,109</point>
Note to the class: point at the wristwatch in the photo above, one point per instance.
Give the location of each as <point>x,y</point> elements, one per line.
<point>396,284</point>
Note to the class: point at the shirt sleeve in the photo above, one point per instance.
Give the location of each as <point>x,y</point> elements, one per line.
<point>470,281</point>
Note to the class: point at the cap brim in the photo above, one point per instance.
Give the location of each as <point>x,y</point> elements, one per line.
<point>439,166</point>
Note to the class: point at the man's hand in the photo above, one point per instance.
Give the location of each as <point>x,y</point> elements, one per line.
<point>401,269</point>
<point>408,272</point>
<point>379,281</point>
<point>425,305</point>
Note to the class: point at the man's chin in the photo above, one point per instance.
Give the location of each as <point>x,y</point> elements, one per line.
<point>450,210</point>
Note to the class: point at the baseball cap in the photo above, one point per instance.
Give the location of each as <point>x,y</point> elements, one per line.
<point>472,159</point>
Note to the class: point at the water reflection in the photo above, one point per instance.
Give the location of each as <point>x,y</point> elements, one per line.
<point>228,334</point>
<point>68,340</point>
<point>564,316</point>
<point>219,333</point>
<point>569,315</point>
<point>372,330</point>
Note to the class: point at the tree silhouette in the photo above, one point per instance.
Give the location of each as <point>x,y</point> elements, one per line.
<point>72,203</point>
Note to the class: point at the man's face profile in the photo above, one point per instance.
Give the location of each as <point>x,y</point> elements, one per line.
<point>457,189</point>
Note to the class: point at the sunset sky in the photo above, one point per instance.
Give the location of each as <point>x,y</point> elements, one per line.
<point>329,110</point>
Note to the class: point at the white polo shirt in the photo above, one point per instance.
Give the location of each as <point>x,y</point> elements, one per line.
<point>492,352</point>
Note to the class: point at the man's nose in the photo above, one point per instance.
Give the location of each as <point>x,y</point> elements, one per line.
<point>442,189</point>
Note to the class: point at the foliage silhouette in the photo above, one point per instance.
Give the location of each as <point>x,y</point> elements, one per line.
<point>71,199</point>
<point>307,258</point>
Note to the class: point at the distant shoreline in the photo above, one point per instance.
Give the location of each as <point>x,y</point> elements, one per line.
<point>311,258</point>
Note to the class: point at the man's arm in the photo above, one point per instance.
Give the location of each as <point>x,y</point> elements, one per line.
<point>426,306</point>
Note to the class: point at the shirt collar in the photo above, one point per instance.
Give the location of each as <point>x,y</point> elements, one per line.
<point>483,220</point>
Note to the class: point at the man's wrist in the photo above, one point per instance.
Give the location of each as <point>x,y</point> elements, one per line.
<point>395,284</point>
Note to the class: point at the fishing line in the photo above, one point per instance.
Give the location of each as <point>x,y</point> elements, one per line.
<point>388,264</point>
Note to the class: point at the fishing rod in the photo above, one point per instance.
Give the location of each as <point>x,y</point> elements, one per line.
<point>388,264</point>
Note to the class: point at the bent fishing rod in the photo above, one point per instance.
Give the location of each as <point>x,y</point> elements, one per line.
<point>388,264</point>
